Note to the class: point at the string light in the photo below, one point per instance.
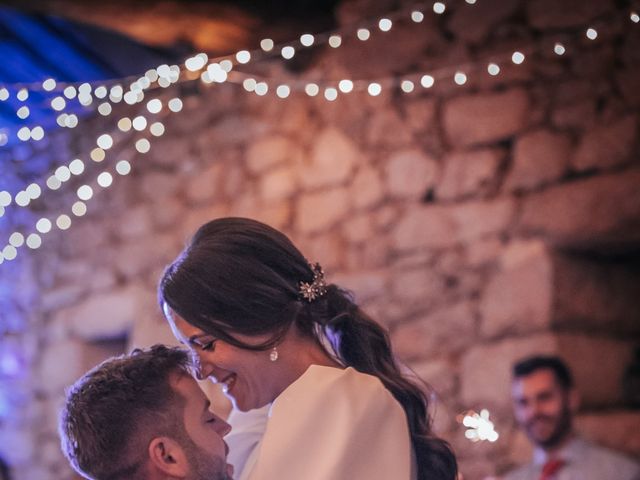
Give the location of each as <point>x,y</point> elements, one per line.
<point>101,92</point>
<point>97,155</point>
<point>105,141</point>
<point>53,183</point>
<point>123,167</point>
<point>24,134</point>
<point>439,8</point>
<point>63,222</point>
<point>154,106</point>
<point>76,167</point>
<point>22,199</point>
<point>216,71</point>
<point>85,192</point>
<point>71,121</point>
<point>363,34</point>
<point>266,44</point>
<point>427,81</point>
<point>105,179</point>
<point>37,133</point>
<point>63,173</point>
<point>79,208</point>
<point>385,24</point>
<point>249,84</point>
<point>9,252</point>
<point>23,112</point>
<point>330,94</point>
<point>460,78</point>
<point>43,225</point>
<point>193,64</point>
<point>143,145</point>
<point>417,16</point>
<point>374,89</point>
<point>70,92</point>
<point>287,52</point>
<point>33,191</point>
<point>243,56</point>
<point>175,105</point>
<point>49,84</point>
<point>517,58</point>
<point>139,123</point>
<point>407,86</point>
<point>157,129</point>
<point>125,124</point>
<point>261,88</point>
<point>104,109</point>
<point>16,239</point>
<point>34,241</point>
<point>283,91</point>
<point>345,86</point>
<point>130,98</point>
<point>58,103</point>
<point>311,89</point>
<point>5,198</point>
<point>307,40</point>
<point>335,41</point>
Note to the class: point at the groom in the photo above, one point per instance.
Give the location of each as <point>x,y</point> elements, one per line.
<point>143,416</point>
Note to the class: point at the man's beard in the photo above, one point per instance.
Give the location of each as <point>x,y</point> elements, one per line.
<point>202,465</point>
<point>559,432</point>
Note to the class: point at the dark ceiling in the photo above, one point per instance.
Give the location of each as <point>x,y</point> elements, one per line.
<point>78,41</point>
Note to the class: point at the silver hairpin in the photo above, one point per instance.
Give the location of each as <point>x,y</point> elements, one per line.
<point>315,289</point>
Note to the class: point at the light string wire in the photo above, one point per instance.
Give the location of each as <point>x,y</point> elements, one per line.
<point>224,66</point>
<point>104,179</point>
<point>416,12</point>
<point>166,76</point>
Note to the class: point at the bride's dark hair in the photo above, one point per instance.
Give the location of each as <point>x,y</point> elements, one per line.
<point>240,276</point>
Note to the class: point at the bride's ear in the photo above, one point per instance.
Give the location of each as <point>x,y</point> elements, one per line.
<point>167,456</point>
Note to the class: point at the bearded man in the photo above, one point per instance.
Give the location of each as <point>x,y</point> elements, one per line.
<point>544,403</point>
<point>142,416</point>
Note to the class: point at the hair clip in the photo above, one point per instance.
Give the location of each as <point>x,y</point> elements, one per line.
<point>315,289</point>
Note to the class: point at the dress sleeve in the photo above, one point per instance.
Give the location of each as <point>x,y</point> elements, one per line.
<point>247,429</point>
<point>334,424</point>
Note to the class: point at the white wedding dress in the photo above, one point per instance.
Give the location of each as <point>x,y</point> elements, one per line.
<point>330,424</point>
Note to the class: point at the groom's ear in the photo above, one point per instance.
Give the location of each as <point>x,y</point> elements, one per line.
<point>167,456</point>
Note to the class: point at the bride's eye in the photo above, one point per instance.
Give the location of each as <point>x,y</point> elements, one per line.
<point>208,346</point>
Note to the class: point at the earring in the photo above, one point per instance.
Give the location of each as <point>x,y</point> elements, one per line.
<point>273,356</point>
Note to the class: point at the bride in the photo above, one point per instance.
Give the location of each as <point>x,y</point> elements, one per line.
<point>262,321</point>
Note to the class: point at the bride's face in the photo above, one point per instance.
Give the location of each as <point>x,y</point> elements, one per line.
<point>249,378</point>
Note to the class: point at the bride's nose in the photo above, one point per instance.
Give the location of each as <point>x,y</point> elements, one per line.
<point>203,369</point>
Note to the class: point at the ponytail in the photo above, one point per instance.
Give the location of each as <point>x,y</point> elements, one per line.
<point>359,342</point>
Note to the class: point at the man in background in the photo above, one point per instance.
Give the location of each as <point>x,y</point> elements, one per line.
<point>143,416</point>
<point>544,403</point>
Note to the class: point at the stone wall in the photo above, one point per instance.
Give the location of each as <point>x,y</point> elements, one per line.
<point>479,223</point>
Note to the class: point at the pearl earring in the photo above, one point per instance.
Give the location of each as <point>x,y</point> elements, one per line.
<point>273,356</point>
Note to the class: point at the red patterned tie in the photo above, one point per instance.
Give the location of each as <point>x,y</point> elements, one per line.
<point>550,468</point>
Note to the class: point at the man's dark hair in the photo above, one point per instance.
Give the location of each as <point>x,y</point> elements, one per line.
<point>114,411</point>
<point>559,368</point>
